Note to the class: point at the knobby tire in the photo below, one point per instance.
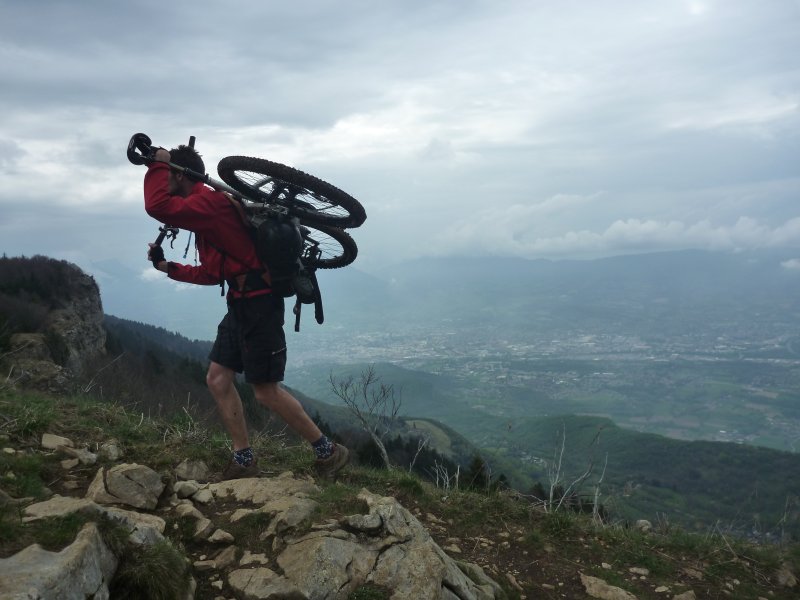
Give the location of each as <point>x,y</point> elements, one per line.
<point>337,248</point>
<point>312,200</point>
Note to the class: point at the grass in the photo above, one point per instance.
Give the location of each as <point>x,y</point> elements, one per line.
<point>247,532</point>
<point>157,572</point>
<point>370,592</point>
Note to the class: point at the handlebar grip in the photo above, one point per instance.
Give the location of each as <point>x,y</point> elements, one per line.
<point>142,143</point>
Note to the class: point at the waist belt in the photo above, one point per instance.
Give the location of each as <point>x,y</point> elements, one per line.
<point>249,282</point>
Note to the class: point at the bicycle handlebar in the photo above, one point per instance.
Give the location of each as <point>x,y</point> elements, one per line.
<point>146,153</point>
<point>142,143</point>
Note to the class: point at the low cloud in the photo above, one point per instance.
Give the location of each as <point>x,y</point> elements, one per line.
<point>621,237</point>
<point>793,264</point>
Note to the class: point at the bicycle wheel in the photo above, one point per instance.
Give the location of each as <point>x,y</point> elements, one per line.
<point>309,199</point>
<point>327,247</point>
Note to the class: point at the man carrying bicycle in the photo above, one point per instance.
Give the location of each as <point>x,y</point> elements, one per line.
<point>250,337</point>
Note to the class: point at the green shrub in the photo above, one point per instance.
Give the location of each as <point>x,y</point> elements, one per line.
<point>157,572</point>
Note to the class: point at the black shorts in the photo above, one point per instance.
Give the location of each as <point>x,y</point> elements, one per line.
<point>250,338</point>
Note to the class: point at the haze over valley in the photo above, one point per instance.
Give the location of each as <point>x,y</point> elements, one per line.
<point>692,345</point>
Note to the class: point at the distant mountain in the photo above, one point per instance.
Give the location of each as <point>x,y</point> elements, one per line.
<point>634,289</point>
<point>143,335</point>
<point>667,289</point>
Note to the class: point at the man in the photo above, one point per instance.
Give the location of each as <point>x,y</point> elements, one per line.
<point>250,337</point>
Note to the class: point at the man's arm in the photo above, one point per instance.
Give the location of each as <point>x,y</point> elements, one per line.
<point>195,212</point>
<point>184,273</point>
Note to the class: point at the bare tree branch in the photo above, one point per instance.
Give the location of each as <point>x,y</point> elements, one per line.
<point>421,443</point>
<point>373,403</point>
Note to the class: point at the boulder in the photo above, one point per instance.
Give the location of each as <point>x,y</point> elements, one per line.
<point>143,528</point>
<point>262,583</point>
<point>131,484</point>
<point>597,588</point>
<point>399,555</point>
<point>195,470</point>
<point>81,570</point>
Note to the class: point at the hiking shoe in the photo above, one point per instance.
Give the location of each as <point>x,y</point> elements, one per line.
<point>328,468</point>
<point>234,470</point>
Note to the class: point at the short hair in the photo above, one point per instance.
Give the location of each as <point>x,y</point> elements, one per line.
<point>188,157</point>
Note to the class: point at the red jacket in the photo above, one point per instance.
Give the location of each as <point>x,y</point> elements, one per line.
<point>223,244</point>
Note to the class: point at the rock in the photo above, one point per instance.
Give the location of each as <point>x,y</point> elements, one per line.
<point>82,454</point>
<point>185,489</point>
<point>9,451</point>
<point>662,589</point>
<point>81,570</point>
<point>644,525</point>
<point>287,513</point>
<point>30,360</point>
<point>225,558</point>
<point>693,573</point>
<point>513,581</point>
<point>188,510</point>
<point>253,559</point>
<point>80,324</point>
<point>143,528</point>
<point>203,496</point>
<point>241,513</point>
<point>110,451</point>
<point>784,576</point>
<point>203,528</point>
<point>220,536</point>
<point>387,546</point>
<point>260,490</point>
<point>639,571</point>
<point>264,583</point>
<point>70,463</point>
<point>401,556</point>
<point>195,470</point>
<point>597,588</point>
<point>327,563</point>
<point>204,565</point>
<point>134,485</point>
<point>368,524</point>
<point>50,441</point>
<point>690,595</point>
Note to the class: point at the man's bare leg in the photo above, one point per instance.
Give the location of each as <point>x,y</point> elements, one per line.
<point>220,383</point>
<point>331,458</point>
<point>287,407</point>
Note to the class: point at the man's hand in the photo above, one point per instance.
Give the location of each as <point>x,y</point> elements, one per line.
<point>155,254</point>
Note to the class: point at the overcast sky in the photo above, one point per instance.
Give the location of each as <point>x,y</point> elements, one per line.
<point>538,129</point>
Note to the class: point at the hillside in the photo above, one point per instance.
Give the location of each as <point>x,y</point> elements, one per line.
<point>747,490</point>
<point>528,549</point>
<point>693,483</point>
<point>147,390</point>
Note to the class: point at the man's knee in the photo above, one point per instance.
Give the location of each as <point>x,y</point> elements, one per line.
<point>219,378</point>
<point>267,393</point>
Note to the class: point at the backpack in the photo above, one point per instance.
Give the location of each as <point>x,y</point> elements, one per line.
<point>279,243</point>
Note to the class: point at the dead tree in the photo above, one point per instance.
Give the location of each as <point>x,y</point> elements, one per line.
<point>421,443</point>
<point>373,403</point>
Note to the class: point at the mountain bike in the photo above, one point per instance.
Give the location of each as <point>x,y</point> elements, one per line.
<point>268,189</point>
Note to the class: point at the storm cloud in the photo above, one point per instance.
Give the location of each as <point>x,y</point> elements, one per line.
<point>515,128</point>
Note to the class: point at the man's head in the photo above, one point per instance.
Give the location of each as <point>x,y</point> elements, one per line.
<point>184,156</point>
